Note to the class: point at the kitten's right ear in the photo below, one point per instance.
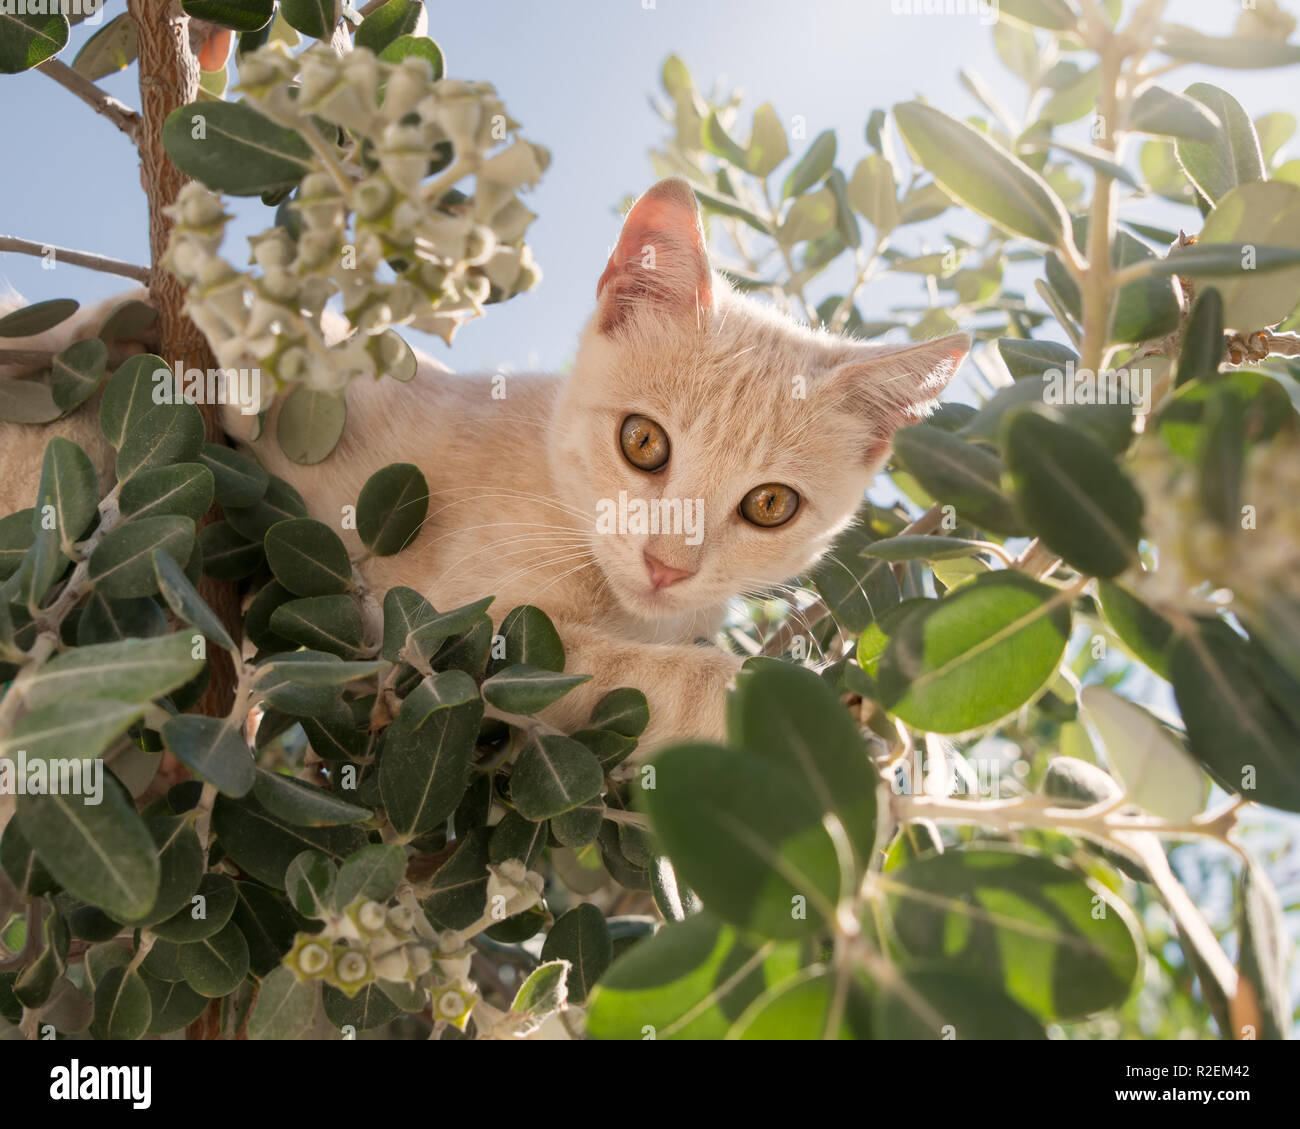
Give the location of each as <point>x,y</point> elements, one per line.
<point>660,262</point>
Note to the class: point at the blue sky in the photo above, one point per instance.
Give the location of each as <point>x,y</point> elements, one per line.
<point>577,74</point>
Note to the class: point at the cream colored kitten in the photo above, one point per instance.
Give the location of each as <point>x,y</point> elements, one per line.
<point>729,396</point>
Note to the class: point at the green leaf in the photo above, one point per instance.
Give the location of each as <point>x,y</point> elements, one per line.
<point>323,623</point>
<point>133,671</point>
<point>790,718</point>
<point>101,853</point>
<point>960,474</point>
<point>28,40</point>
<point>213,749</point>
<point>203,914</point>
<point>227,555</point>
<point>1073,494</point>
<point>1264,946</point>
<point>122,563</point>
<point>624,710</point>
<point>1202,347</point>
<point>458,890</point>
<point>110,621</point>
<point>1162,112</point>
<point>216,965</point>
<point>728,206</point>
<point>173,1004</point>
<point>719,143</point>
<point>280,502</point>
<point>768,146</point>
<point>977,172</point>
<point>268,924</point>
<point>690,980</point>
<point>856,591</point>
<point>801,1008</point>
<point>1073,98</point>
<point>128,394</point>
<point>554,774</point>
<point>1250,219</point>
<point>989,646</point>
<point>522,689</point>
<point>419,46</point>
<point>1143,631</point>
<point>123,1009</point>
<point>184,488</point>
<point>285,1008</point>
<point>1055,15</point>
<point>181,861</point>
<point>27,321</point>
<point>128,322</point>
<point>368,1009</point>
<point>1233,158</point>
<point>309,882</point>
<point>748,836</point>
<point>922,548</point>
<point>70,487</point>
<point>386,23</point>
<point>76,372</point>
<point>1096,159</point>
<point>184,600</point>
<point>310,424</point>
<point>933,1004</point>
<point>1156,773</point>
<point>308,558</point>
<point>527,636</point>
<point>392,507</point>
<point>518,838</point>
<point>16,537</point>
<point>1058,943</point>
<point>301,804</point>
<point>810,217</point>
<point>263,846</point>
<point>238,15</point>
<point>162,434</point>
<point>581,938</point>
<point>231,148</point>
<point>424,769</point>
<point>873,192</point>
<point>27,401</point>
<point>112,48</point>
<point>1241,736</point>
<point>1244,52</point>
<point>239,479</point>
<point>374,872</point>
<point>545,991</point>
<point>812,166</point>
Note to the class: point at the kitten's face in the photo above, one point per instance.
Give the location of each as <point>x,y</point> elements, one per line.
<point>758,434</point>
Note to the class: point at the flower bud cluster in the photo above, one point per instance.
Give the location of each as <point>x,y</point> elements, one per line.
<point>381,221</point>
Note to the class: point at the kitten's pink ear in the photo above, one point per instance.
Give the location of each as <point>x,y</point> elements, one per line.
<point>892,386</point>
<point>660,261</point>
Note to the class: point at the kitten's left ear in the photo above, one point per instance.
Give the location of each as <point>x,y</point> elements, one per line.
<point>892,386</point>
<point>660,263</point>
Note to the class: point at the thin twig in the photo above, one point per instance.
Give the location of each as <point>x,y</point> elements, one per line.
<point>120,114</point>
<point>74,258</point>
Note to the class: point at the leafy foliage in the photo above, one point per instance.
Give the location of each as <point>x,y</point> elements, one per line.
<point>382,836</point>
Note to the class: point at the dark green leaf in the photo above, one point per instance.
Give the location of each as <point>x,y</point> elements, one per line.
<point>392,508</point>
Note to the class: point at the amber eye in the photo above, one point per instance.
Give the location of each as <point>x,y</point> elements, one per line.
<point>644,443</point>
<point>769,505</point>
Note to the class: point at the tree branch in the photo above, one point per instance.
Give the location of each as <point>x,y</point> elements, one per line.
<point>120,114</point>
<point>74,258</point>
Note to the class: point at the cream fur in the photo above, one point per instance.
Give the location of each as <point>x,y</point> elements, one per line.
<point>515,482</point>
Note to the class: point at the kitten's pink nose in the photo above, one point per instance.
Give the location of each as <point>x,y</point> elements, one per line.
<point>662,575</point>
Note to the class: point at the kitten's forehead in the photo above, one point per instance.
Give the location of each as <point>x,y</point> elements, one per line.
<point>745,390</point>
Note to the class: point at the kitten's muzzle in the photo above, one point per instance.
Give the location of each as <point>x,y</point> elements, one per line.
<point>662,575</point>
